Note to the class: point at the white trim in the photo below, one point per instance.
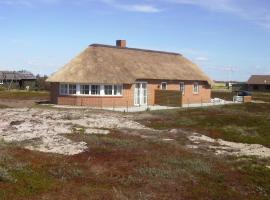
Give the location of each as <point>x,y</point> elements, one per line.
<point>184,87</point>
<point>102,90</point>
<point>141,96</point>
<point>198,85</point>
<point>1,82</point>
<point>165,87</point>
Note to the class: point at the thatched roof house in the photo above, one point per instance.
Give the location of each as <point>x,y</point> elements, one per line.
<point>100,65</point>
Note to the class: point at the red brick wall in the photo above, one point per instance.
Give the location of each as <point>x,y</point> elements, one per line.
<point>128,95</point>
<point>204,94</point>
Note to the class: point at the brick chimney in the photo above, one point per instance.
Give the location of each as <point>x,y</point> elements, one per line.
<point>121,43</point>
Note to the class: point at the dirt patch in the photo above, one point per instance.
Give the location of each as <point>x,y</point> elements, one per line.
<point>220,146</point>
<point>50,126</point>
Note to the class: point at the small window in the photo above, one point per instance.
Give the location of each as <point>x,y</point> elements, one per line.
<point>196,88</point>
<point>72,89</point>
<point>117,90</point>
<point>108,89</point>
<point>63,89</point>
<point>95,89</point>
<point>164,86</point>
<point>85,89</point>
<point>182,87</point>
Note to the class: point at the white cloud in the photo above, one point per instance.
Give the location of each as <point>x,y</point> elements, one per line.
<point>251,10</point>
<point>201,59</point>
<point>140,8</point>
<point>143,7</point>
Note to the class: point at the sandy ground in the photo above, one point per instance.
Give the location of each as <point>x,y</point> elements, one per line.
<point>17,103</point>
<point>220,146</point>
<point>44,130</point>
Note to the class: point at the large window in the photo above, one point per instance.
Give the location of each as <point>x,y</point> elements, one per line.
<point>196,88</point>
<point>117,90</point>
<point>108,89</point>
<point>84,89</point>
<point>72,88</point>
<point>95,89</point>
<point>91,90</point>
<point>182,87</point>
<point>64,89</point>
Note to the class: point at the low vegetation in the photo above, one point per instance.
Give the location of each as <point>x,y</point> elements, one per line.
<point>122,165</point>
<point>246,123</point>
<point>23,95</point>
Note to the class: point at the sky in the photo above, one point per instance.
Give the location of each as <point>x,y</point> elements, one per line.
<point>228,39</point>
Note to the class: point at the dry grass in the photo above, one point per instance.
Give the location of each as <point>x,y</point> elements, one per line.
<point>124,166</point>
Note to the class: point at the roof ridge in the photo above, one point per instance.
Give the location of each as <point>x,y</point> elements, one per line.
<point>135,49</point>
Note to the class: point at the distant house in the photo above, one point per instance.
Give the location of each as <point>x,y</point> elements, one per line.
<point>120,76</point>
<point>259,83</point>
<point>16,79</point>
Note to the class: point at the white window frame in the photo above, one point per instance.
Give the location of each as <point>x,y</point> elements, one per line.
<point>165,86</point>
<point>89,89</point>
<point>98,90</point>
<point>105,90</point>
<point>60,89</point>
<point>119,90</point>
<point>182,87</point>
<point>74,90</point>
<point>196,85</point>
<point>1,82</point>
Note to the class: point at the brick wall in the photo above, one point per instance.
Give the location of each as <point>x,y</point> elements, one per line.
<point>127,99</point>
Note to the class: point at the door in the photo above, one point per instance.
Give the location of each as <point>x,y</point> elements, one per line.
<point>140,94</point>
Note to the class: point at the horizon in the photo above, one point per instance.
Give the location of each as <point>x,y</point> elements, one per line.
<point>228,39</point>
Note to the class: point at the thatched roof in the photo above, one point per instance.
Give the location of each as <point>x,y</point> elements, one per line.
<point>259,80</point>
<point>110,64</point>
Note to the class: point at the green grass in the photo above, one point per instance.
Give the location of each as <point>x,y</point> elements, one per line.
<point>23,95</point>
<point>247,123</point>
<point>124,166</point>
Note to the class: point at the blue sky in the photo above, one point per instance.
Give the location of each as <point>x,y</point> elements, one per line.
<point>229,39</point>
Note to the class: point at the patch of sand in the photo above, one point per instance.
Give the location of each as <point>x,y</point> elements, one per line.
<point>220,146</point>
<point>47,127</point>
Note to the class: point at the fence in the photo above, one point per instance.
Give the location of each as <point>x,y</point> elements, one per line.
<point>168,98</point>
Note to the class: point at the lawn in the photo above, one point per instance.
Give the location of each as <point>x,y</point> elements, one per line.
<point>23,95</point>
<point>246,123</point>
<point>123,165</point>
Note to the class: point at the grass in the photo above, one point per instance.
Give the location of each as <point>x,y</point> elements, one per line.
<point>228,95</point>
<point>124,166</point>
<point>24,95</point>
<point>246,123</point>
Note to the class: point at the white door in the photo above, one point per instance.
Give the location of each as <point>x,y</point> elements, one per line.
<point>140,94</point>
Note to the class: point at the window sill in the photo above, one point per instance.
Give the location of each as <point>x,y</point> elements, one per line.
<point>81,95</point>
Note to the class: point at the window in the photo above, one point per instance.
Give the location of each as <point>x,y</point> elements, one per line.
<point>108,89</point>
<point>85,89</point>
<point>164,86</point>
<point>95,89</point>
<point>196,88</point>
<point>1,82</point>
<point>267,87</point>
<point>72,89</point>
<point>117,90</point>
<point>182,87</point>
<point>63,89</point>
